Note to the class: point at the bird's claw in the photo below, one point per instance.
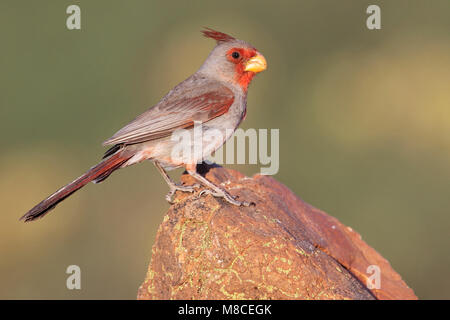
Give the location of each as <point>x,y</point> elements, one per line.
<point>227,197</point>
<point>208,191</point>
<point>178,187</point>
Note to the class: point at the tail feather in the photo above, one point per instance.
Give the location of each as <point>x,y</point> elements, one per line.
<point>100,171</point>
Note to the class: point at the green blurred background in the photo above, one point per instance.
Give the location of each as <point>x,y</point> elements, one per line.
<point>364,119</point>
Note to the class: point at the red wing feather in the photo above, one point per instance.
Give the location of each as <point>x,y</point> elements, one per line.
<point>192,100</point>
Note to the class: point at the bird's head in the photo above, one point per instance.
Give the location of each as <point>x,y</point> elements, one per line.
<point>232,60</point>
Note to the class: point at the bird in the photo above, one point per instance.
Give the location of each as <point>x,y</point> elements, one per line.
<point>214,99</point>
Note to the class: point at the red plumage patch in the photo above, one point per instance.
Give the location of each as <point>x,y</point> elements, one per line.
<point>243,77</point>
<point>216,35</point>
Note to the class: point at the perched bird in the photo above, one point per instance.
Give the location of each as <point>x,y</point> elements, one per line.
<point>215,96</point>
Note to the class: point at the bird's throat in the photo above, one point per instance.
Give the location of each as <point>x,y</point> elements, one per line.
<point>244,78</point>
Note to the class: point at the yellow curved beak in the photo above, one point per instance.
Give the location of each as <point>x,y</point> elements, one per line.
<point>256,64</point>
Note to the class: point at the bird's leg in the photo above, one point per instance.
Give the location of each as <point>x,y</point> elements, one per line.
<point>214,190</point>
<point>172,185</point>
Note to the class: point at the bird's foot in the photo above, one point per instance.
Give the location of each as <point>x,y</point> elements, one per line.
<point>220,193</point>
<point>177,187</point>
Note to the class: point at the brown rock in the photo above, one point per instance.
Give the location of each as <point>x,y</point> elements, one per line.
<point>282,248</point>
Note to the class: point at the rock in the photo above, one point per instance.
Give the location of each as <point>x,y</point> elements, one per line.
<point>281,248</point>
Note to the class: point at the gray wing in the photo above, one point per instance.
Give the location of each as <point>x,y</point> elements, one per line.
<point>195,99</point>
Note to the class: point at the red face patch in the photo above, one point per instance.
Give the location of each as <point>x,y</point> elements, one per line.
<point>239,56</point>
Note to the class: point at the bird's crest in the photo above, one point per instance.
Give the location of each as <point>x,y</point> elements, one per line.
<point>216,35</point>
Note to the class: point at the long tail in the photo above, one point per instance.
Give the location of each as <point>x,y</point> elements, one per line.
<point>97,174</point>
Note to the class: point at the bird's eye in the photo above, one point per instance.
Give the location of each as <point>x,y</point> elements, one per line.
<point>235,55</point>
